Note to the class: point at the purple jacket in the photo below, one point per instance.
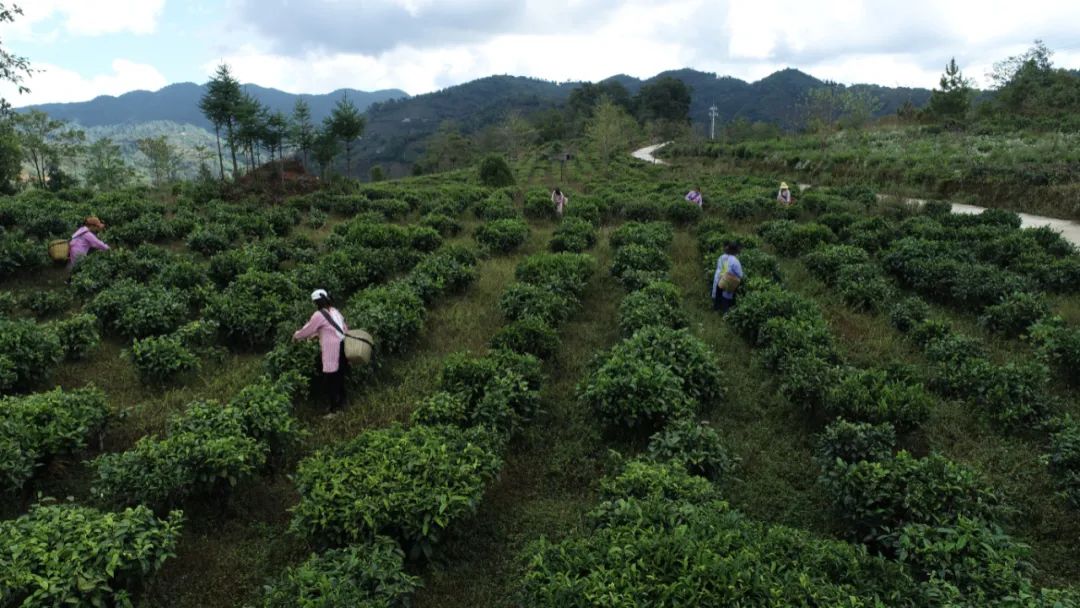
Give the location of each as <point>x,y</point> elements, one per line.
<point>329,338</point>
<point>81,243</point>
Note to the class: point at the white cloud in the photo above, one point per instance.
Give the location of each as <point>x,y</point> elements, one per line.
<point>88,17</point>
<point>55,84</point>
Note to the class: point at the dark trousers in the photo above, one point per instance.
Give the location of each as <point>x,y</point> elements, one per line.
<point>723,304</point>
<point>334,384</point>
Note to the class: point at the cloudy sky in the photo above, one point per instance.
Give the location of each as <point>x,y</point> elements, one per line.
<point>86,48</point>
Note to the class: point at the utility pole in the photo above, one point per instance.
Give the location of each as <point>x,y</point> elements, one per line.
<point>713,113</point>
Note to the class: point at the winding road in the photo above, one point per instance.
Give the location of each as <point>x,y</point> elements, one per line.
<point>1069,230</point>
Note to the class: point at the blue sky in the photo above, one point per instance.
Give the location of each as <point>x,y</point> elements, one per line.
<point>92,47</point>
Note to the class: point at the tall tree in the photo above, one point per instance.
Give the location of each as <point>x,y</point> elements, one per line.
<point>11,156</point>
<point>105,166</point>
<point>301,130</point>
<point>346,123</point>
<point>70,148</point>
<point>250,124</point>
<point>219,105</point>
<point>447,149</point>
<point>163,160</point>
<point>667,99</point>
<point>37,138</point>
<point>325,148</point>
<point>610,129</point>
<point>13,68</point>
<point>277,126</point>
<point>950,103</point>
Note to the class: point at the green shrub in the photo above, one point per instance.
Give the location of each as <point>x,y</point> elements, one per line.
<point>498,206</point>
<point>424,239</point>
<point>563,273</point>
<point>502,236</point>
<point>1058,345</point>
<point>655,304</point>
<point>209,240</point>
<point>873,396</point>
<point>760,305</point>
<point>250,309</point>
<point>444,224</point>
<point>574,235</point>
<point>1063,461</point>
<point>828,261</point>
<point>863,287</point>
<point>523,300</point>
<point>652,479</point>
<point>634,393</point>
<point>81,556</point>
<point>161,359</point>
<point>693,445</point>
<point>137,311</point>
<point>852,442</point>
<point>783,338</point>
<point>907,313</point>
<point>43,425</point>
<point>529,335</point>
<point>472,376</point>
<point>683,212</point>
<point>441,273</point>
<point>495,173</point>
<point>538,205</point>
<point>1014,314</point>
<point>409,484</point>
<point>227,265</point>
<point>28,354</point>
<point>656,235</point>
<point>371,574</point>
<point>805,378</point>
<point>656,552</point>
<point>632,259</point>
<point>20,254</point>
<point>47,303</point>
<point>792,239</point>
<point>1011,395</point>
<point>878,498</point>
<point>393,314</point>
<point>78,335</point>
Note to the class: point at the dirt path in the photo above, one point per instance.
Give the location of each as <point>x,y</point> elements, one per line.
<point>1069,230</point>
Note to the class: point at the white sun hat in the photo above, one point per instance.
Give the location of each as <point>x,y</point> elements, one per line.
<point>319,294</point>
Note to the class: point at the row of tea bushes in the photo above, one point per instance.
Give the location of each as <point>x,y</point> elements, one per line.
<point>38,427</point>
<point>928,514</point>
<point>209,449</point>
<point>411,484</point>
<point>69,555</point>
<point>29,351</point>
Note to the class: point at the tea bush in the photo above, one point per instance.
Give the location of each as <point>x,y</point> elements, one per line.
<point>138,311</point>
<point>227,265</point>
<point>40,426</point>
<point>1014,314</point>
<point>249,310</point>
<point>19,254</point>
<point>631,261</point>
<point>502,236</point>
<point>46,303</point>
<point>1059,346</point>
<point>393,314</point>
<point>852,442</point>
<point>655,304</point>
<point>408,484</point>
<point>574,235</point>
<point>495,173</point>
<point>564,273</point>
<point>444,224</point>
<point>81,556</point>
<point>160,359</point>
<point>872,396</point>
<point>441,273</point>
<point>369,574</point>
<point>878,498</point>
<point>28,354</point>
<point>907,313</point>
<point>1063,461</point>
<point>693,445</point>
<point>682,212</point>
<point>78,335</point>
<point>654,235</point>
<point>792,239</point>
<point>529,335</point>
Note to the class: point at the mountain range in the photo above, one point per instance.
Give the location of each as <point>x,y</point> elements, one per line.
<point>398,124</point>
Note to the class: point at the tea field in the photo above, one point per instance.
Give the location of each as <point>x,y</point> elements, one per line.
<point>555,416</point>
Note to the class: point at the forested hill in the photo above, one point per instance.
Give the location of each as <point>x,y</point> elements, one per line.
<point>179,103</point>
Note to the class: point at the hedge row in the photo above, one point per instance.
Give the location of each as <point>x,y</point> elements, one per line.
<point>38,427</point>
<point>209,449</point>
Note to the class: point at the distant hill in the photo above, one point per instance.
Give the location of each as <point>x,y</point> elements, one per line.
<point>179,103</point>
<point>399,124</point>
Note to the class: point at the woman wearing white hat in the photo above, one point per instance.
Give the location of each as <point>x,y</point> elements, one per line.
<point>329,325</point>
<point>784,197</point>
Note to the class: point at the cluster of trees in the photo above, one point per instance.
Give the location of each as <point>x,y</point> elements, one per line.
<point>604,113</point>
<point>248,129</point>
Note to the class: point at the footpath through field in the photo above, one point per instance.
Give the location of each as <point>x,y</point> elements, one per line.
<point>1069,230</point>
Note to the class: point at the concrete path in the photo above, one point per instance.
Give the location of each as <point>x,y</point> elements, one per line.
<point>1069,230</point>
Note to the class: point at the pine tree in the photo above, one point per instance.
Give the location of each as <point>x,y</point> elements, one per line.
<point>347,125</point>
<point>219,105</point>
<point>950,103</point>
<point>301,130</point>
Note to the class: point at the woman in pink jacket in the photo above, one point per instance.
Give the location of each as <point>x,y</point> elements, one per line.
<point>85,240</point>
<point>329,325</point>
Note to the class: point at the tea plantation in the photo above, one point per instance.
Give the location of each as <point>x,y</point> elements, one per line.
<point>554,416</point>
